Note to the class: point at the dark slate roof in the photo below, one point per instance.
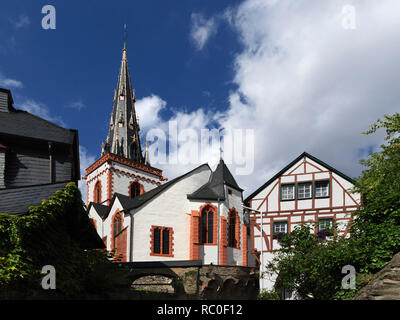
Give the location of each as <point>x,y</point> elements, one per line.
<point>16,201</point>
<point>304,154</point>
<point>128,203</point>
<point>101,209</point>
<point>214,188</point>
<point>22,123</point>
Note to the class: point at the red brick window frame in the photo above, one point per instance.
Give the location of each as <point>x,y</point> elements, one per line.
<point>135,189</point>
<point>233,229</point>
<point>117,223</point>
<point>208,226</point>
<point>97,192</point>
<point>161,241</point>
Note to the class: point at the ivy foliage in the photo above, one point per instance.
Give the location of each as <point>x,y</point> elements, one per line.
<point>56,233</point>
<point>312,266</point>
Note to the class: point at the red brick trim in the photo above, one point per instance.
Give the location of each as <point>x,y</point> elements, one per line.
<point>194,235</point>
<point>125,161</point>
<point>110,184</point>
<point>215,223</point>
<point>119,240</point>
<point>139,177</point>
<point>171,241</point>
<point>222,243</point>
<point>237,228</point>
<point>244,247</point>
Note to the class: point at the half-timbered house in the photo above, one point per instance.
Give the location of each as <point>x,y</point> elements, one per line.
<point>307,190</point>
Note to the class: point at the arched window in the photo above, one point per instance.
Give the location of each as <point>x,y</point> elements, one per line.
<point>207,225</point>
<point>117,226</point>
<point>97,192</point>
<point>134,189</point>
<point>232,241</point>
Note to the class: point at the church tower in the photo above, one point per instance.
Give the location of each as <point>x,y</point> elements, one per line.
<point>122,167</point>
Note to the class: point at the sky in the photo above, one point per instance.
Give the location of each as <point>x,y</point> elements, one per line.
<point>293,75</point>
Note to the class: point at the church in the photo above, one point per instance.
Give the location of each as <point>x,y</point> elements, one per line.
<point>143,217</point>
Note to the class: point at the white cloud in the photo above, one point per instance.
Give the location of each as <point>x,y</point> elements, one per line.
<point>307,84</point>
<point>9,83</point>
<point>78,105</point>
<point>39,109</point>
<point>86,160</point>
<point>202,29</point>
<point>148,109</point>
<point>23,20</point>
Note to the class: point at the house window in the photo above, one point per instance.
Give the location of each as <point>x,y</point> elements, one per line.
<point>280,227</point>
<point>325,224</point>
<point>287,191</point>
<point>233,240</point>
<point>134,189</point>
<point>304,190</point>
<point>161,241</point>
<point>97,192</point>
<point>321,189</point>
<point>207,225</point>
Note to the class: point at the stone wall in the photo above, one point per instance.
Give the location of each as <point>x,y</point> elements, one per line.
<point>385,285</point>
<point>199,282</point>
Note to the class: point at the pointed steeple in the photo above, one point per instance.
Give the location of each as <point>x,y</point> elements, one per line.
<point>123,136</point>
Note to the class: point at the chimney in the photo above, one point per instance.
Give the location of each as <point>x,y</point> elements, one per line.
<point>5,100</point>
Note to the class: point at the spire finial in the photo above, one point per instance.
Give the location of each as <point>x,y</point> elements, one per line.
<point>220,153</point>
<point>125,36</point>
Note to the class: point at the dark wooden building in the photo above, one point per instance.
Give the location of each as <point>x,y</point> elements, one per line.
<point>37,157</point>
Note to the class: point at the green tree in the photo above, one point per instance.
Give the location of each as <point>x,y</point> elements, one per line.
<point>312,266</point>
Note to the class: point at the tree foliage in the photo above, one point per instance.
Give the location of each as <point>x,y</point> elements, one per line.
<point>54,233</point>
<point>312,266</point>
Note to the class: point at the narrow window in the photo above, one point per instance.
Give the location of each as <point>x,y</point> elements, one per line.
<point>134,189</point>
<point>117,226</point>
<point>165,241</point>
<point>157,240</point>
<point>232,242</point>
<point>97,192</point>
<point>207,225</point>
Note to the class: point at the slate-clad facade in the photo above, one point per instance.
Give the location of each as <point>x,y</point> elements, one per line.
<point>37,157</point>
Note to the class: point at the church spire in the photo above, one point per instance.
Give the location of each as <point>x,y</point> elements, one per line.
<point>123,135</point>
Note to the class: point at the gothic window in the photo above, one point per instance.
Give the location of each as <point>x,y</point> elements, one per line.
<point>97,192</point>
<point>117,226</point>
<point>207,225</point>
<point>232,238</point>
<point>134,189</point>
<point>161,241</point>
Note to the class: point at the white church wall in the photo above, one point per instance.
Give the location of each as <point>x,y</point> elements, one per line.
<point>171,209</point>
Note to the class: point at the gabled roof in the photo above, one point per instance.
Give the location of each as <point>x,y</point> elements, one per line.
<point>22,123</point>
<point>304,154</point>
<point>101,209</point>
<point>128,203</point>
<point>16,201</point>
<point>214,188</point>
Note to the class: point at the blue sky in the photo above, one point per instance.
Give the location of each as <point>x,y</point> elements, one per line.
<point>77,64</point>
<point>290,70</point>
